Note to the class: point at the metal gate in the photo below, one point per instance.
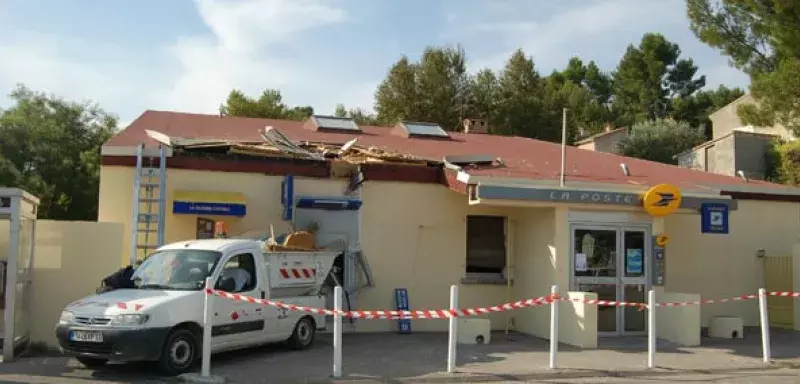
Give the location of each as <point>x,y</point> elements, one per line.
<point>779,277</point>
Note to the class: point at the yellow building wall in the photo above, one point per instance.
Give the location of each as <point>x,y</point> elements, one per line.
<point>413,236</point>
<point>262,194</point>
<point>535,262</point>
<point>70,258</point>
<point>722,266</point>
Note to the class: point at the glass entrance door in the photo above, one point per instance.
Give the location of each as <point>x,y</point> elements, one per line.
<point>612,261</point>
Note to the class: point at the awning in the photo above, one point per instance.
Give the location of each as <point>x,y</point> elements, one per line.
<point>209,203</point>
<point>583,196</point>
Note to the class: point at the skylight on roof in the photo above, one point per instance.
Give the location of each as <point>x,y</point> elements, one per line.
<point>336,123</point>
<point>423,129</point>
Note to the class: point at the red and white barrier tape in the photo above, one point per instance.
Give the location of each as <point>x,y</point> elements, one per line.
<point>643,306</point>
<point>604,303</point>
<point>679,304</point>
<point>710,301</point>
<point>784,294</point>
<point>464,312</point>
<point>413,314</point>
<point>447,313</point>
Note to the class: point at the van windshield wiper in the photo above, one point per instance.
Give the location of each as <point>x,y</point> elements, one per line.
<point>154,286</point>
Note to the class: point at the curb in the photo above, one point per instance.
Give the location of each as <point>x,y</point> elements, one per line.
<point>196,378</point>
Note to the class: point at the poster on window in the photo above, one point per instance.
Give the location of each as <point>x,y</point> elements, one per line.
<point>634,261</point>
<point>205,228</point>
<point>581,264</point>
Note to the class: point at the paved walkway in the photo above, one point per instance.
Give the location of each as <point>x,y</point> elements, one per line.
<point>421,358</point>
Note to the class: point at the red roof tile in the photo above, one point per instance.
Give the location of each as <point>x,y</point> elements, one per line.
<point>523,158</point>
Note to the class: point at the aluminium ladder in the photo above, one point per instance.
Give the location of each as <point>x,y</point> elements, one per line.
<point>149,199</point>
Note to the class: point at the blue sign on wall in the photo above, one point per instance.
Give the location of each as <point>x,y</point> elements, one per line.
<point>287,197</point>
<point>218,209</point>
<point>714,218</point>
<point>329,203</point>
<point>401,300</point>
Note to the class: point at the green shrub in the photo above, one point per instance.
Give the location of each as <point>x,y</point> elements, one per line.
<point>783,162</point>
<point>660,140</point>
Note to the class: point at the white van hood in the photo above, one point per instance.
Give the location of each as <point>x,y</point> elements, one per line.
<point>125,301</point>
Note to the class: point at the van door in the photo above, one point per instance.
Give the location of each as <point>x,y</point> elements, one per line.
<point>239,322</point>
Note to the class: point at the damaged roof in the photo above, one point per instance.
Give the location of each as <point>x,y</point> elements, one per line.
<point>275,144</point>
<point>517,157</point>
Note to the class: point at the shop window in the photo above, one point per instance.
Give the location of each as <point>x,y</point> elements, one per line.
<point>486,249</point>
<point>205,228</point>
<point>238,274</point>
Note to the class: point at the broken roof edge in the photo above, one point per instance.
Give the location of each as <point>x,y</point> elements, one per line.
<point>275,144</point>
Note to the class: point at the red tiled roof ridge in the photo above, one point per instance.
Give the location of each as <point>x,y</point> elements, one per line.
<point>524,158</point>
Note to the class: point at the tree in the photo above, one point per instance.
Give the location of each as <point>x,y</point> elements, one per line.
<point>51,148</point>
<point>520,104</point>
<point>396,97</point>
<point>778,97</point>
<point>433,90</point>
<point>482,97</point>
<point>442,84</point>
<point>585,91</point>
<point>762,38</point>
<point>599,83</point>
<point>649,76</point>
<point>783,162</point>
<point>755,34</point>
<point>360,116</point>
<point>696,109</point>
<point>660,140</point>
<point>268,106</point>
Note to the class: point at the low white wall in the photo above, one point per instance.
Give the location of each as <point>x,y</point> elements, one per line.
<point>680,325</point>
<point>577,321</point>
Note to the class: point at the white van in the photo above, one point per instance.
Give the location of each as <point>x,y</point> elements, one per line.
<point>162,319</point>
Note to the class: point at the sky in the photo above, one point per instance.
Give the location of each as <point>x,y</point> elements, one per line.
<point>186,55</point>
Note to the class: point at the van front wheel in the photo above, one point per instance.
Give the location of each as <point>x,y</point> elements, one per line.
<point>304,332</point>
<point>179,353</point>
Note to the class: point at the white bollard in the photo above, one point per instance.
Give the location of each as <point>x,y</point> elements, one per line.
<point>208,322</point>
<point>337,332</point>
<point>553,327</point>
<point>651,329</point>
<point>762,308</point>
<point>452,337</point>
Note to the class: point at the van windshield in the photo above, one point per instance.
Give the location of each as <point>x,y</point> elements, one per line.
<point>176,269</point>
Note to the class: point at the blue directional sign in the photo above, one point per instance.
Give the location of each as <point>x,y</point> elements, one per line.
<point>287,197</point>
<point>714,218</point>
<point>401,300</point>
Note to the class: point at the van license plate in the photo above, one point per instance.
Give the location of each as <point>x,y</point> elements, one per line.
<point>88,337</point>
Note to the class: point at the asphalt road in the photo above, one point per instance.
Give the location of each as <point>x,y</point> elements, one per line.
<point>421,358</point>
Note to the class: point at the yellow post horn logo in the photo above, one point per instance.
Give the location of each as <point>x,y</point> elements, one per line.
<point>662,200</point>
